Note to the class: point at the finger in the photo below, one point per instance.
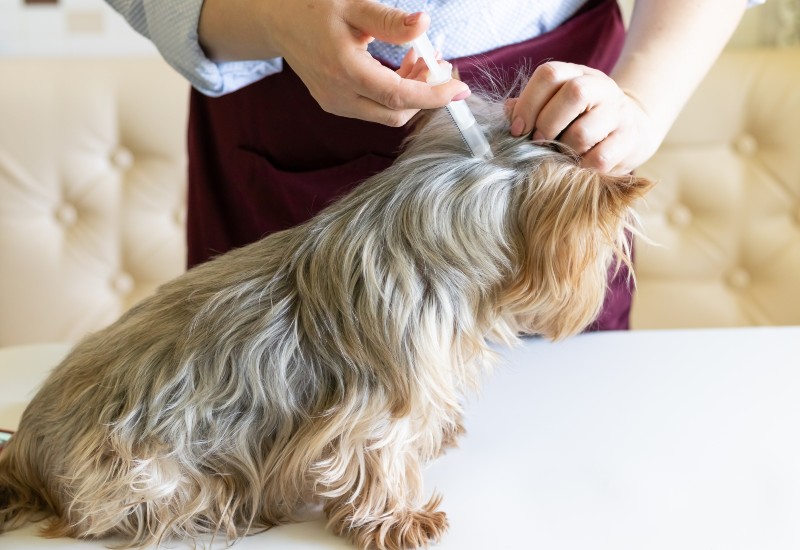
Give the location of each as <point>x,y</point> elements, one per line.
<point>573,98</point>
<point>367,109</point>
<point>546,80</point>
<point>591,128</point>
<point>387,88</point>
<point>419,71</point>
<point>413,66</point>
<point>408,63</point>
<point>508,107</point>
<point>609,155</point>
<point>391,25</point>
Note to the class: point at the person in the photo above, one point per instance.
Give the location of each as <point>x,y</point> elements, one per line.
<point>294,103</point>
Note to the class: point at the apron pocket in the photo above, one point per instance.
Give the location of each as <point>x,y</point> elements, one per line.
<point>280,199</point>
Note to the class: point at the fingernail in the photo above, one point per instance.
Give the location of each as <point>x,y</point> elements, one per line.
<point>463,95</point>
<point>412,19</point>
<point>537,136</point>
<point>517,126</point>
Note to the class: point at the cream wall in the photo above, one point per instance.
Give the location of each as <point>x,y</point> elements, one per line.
<point>776,23</point>
<point>72,28</point>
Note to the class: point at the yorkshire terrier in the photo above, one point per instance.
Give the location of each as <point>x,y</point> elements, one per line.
<point>326,363</point>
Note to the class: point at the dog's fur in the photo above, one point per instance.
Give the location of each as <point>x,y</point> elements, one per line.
<point>324,363</point>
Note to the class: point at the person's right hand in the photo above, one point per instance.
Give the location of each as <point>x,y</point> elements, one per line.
<point>325,43</point>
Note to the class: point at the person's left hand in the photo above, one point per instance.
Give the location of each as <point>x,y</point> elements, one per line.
<point>585,109</point>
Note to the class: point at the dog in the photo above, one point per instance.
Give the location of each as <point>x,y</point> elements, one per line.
<point>326,363</point>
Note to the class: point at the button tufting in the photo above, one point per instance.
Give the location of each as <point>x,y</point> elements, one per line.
<point>680,215</point>
<point>67,215</point>
<point>122,158</point>
<point>122,283</point>
<point>746,144</point>
<point>739,278</point>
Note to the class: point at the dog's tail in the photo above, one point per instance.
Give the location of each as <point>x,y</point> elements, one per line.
<point>20,503</point>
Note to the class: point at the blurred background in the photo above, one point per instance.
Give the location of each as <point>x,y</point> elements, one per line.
<point>93,178</point>
<point>64,28</point>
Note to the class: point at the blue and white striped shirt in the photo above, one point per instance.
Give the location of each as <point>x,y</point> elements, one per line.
<point>458,28</point>
<point>172,27</point>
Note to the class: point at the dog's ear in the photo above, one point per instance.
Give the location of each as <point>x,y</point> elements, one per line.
<point>572,222</point>
<point>621,192</point>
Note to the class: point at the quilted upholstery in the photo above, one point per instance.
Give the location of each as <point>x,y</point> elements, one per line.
<point>92,185</point>
<point>726,211</point>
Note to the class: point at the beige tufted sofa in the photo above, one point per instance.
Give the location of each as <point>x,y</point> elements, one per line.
<point>92,191</point>
<point>92,194</point>
<point>726,211</point>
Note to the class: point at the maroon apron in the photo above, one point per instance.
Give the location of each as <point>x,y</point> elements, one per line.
<point>267,157</point>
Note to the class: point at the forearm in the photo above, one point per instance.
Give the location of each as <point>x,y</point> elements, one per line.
<point>670,46</point>
<point>235,30</point>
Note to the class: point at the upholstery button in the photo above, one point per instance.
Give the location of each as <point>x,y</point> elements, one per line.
<point>67,215</point>
<point>122,158</point>
<point>746,144</point>
<point>180,216</point>
<point>122,283</point>
<point>739,278</point>
<point>680,215</point>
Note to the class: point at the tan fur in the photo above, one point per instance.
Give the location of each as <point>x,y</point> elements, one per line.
<point>325,363</point>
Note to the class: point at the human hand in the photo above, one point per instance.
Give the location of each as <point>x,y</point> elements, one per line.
<point>585,109</point>
<point>325,43</point>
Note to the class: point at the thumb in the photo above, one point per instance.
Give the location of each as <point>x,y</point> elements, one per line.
<point>390,25</point>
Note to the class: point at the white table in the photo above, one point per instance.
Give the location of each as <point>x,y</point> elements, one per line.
<point>641,440</point>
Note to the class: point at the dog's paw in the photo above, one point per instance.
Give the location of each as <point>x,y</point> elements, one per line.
<point>406,530</point>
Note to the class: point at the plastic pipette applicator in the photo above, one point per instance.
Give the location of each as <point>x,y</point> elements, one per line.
<point>439,73</point>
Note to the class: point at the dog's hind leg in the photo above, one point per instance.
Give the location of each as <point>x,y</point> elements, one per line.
<point>20,489</point>
<point>142,499</point>
<point>109,494</point>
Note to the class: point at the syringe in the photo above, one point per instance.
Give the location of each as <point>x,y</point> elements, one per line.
<point>459,110</point>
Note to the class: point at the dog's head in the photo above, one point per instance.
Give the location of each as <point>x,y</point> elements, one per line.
<point>565,225</point>
<point>574,225</point>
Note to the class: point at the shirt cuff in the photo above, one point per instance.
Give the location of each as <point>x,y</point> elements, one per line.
<point>216,79</point>
<point>172,27</point>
